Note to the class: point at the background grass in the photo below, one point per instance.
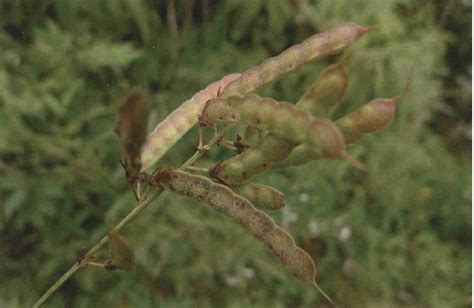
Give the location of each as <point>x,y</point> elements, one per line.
<point>398,235</point>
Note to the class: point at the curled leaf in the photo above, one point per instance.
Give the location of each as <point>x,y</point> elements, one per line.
<point>119,251</point>
<point>131,128</point>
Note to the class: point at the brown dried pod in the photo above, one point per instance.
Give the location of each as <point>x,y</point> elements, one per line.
<point>315,47</point>
<point>239,209</point>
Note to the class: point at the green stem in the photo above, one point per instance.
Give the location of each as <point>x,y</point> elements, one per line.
<point>137,210</point>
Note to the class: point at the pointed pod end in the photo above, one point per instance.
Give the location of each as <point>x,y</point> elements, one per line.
<point>324,294</point>
<point>354,162</point>
<point>369,28</point>
<point>398,98</point>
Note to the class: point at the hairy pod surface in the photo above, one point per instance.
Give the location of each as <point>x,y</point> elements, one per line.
<point>263,196</point>
<point>180,121</point>
<point>315,47</point>
<point>252,162</point>
<point>131,127</point>
<point>239,209</point>
<point>322,97</point>
<point>369,118</point>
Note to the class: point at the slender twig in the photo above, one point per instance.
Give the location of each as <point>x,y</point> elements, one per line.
<point>197,169</point>
<point>137,210</point>
<point>201,152</point>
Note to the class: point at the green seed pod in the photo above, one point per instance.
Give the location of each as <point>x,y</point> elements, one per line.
<point>371,117</point>
<point>251,137</point>
<point>263,196</point>
<point>131,128</point>
<point>323,96</point>
<point>239,209</point>
<point>289,127</point>
<point>179,122</point>
<point>254,161</point>
<point>282,119</point>
<point>315,47</point>
<point>219,110</point>
<point>119,251</point>
<point>300,155</point>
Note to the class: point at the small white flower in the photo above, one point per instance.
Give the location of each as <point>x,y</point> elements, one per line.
<point>304,198</point>
<point>349,266</point>
<point>248,273</point>
<point>345,234</point>
<point>314,227</point>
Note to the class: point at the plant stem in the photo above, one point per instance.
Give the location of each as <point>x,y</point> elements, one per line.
<point>137,210</point>
<point>211,142</point>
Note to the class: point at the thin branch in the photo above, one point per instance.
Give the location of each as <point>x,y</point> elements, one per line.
<point>199,152</point>
<point>137,210</point>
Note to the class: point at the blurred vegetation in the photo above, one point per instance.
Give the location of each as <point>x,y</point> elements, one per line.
<point>398,235</point>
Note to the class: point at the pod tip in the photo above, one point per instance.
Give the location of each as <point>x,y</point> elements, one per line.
<point>354,162</point>
<point>370,28</point>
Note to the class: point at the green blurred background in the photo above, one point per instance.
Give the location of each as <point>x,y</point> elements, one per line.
<point>398,235</point>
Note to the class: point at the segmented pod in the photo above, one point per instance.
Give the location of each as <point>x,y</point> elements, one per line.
<point>323,96</point>
<point>241,168</point>
<point>370,118</point>
<point>260,225</point>
<point>315,47</point>
<point>180,121</point>
<point>288,127</point>
<point>263,196</point>
<point>282,119</point>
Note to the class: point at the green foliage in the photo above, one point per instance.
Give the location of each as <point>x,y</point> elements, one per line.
<point>396,235</point>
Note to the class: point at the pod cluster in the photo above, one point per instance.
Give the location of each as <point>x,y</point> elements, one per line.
<point>277,134</point>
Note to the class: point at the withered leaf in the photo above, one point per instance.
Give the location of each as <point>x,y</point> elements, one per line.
<point>131,128</point>
<point>119,251</point>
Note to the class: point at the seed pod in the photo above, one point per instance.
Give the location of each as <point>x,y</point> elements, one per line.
<point>300,155</point>
<point>254,161</point>
<point>371,117</point>
<point>289,127</point>
<point>282,119</point>
<point>131,128</point>
<point>315,47</point>
<point>119,251</point>
<point>323,96</point>
<point>171,129</point>
<point>251,137</point>
<point>260,225</point>
<point>263,196</point>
